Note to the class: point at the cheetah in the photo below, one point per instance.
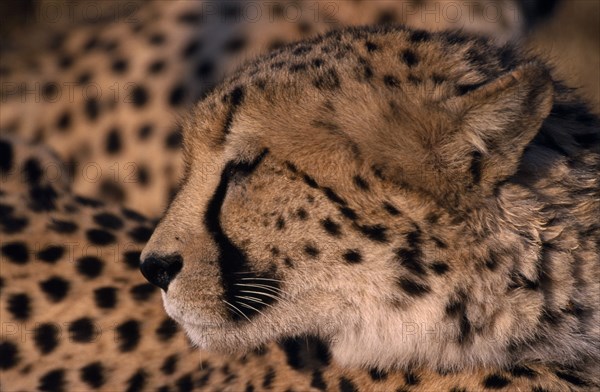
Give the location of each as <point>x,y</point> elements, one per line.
<point>411,198</point>
<point>76,316</point>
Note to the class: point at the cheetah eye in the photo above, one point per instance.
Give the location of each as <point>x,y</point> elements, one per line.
<point>237,172</point>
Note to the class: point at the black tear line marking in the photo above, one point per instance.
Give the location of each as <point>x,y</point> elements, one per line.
<point>233,263</point>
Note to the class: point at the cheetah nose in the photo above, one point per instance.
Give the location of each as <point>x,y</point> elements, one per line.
<point>161,270</point>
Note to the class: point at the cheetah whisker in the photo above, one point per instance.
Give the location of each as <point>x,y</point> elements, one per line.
<point>261,286</point>
<point>259,293</point>
<point>254,299</point>
<point>251,307</point>
<point>238,310</point>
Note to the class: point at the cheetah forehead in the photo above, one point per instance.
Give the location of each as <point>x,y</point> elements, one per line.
<point>322,94</point>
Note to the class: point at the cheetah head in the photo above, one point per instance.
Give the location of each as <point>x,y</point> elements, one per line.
<point>335,189</point>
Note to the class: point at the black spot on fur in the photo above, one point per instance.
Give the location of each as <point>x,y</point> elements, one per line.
<point>205,69</point>
<point>53,381</point>
<point>92,109</point>
<point>371,47</point>
<point>317,381</point>
<point>495,381</point>
<point>457,309</point>
<point>191,48</point>
<point>492,262</point>
<point>139,96</point>
<point>119,66</point>
<point>128,335</point>
<point>156,66</point>
<point>409,57</point>
<point>19,306</point>
<point>143,291</point>
<point>9,355</point>
<point>16,252</point>
<point>169,364</point>
<point>348,213</point>
<point>439,243</point>
<point>105,297</point>
<point>174,140</point>
<point>391,209</point>
<point>64,121</point>
<point>42,198</point>
<point>331,227</point>
<point>6,156</point>
<point>305,352</point>
<point>93,374</point>
<point>523,371</point>
<point>166,330</point>
<point>311,251</point>
<point>185,383</point>
<point>56,288</point>
<point>45,337</point>
<point>157,39</point>
<point>235,45</point>
<point>411,378</point>
<point>137,381</point>
<point>301,214</point>
<point>391,81</point>
<point>51,253</point>
<point>417,36</point>
<point>375,233</point>
<point>440,268</point>
<point>571,378</point>
<point>88,202</point>
<point>353,256</point>
<point>108,220</point>
<point>100,237</point>
<point>269,377</point>
<point>132,259</point>
<point>377,374</point>
<point>294,68</point>
<point>413,288</point>
<point>328,80</point>
<point>90,266</point>
<point>32,170</point>
<point>346,385</point>
<point>361,183</point>
<point>280,223</point>
<point>177,95</point>
<point>411,260</point>
<point>65,61</point>
<point>62,226</point>
<point>463,89</point>
<point>113,141</point>
<point>475,167</point>
<point>140,234</point>
<point>82,330</point>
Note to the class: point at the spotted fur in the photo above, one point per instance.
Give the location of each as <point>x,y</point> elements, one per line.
<point>76,316</point>
<point>107,95</point>
<point>412,198</point>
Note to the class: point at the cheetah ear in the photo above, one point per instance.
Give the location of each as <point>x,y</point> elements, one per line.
<point>496,121</point>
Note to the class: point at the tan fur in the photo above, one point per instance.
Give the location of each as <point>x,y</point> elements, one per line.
<point>296,365</point>
<point>462,170</point>
<point>144,171</point>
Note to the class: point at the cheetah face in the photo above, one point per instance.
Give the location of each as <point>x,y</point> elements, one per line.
<point>254,249</point>
<point>323,203</point>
